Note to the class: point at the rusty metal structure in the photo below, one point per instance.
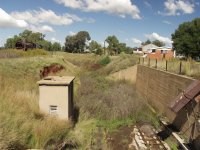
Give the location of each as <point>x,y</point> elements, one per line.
<point>186,96</point>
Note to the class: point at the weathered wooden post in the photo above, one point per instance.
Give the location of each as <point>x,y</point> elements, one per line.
<point>143,61</point>
<point>149,62</point>
<point>166,65</point>
<point>139,61</point>
<point>180,67</point>
<point>156,63</point>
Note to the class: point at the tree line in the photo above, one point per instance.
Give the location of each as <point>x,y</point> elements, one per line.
<point>186,42</point>
<point>32,37</point>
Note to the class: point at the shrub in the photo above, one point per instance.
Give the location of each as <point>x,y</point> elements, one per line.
<point>104,61</point>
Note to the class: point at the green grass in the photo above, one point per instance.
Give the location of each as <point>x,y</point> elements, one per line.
<point>113,125</point>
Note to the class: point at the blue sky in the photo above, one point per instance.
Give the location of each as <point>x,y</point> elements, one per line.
<point>132,21</point>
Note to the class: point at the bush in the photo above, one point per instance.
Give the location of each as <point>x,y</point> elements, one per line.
<point>104,61</point>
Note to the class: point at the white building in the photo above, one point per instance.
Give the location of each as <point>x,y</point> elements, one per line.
<point>148,48</point>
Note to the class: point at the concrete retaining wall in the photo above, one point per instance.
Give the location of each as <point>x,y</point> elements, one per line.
<point>160,88</point>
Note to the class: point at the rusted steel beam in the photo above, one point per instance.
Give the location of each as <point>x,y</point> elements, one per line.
<point>186,96</point>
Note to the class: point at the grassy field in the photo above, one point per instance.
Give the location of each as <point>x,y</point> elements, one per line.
<point>101,102</point>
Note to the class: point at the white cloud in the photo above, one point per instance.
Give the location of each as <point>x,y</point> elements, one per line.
<point>42,29</point>
<point>118,7</point>
<point>136,41</point>
<point>147,4</point>
<point>176,7</point>
<point>53,39</point>
<point>7,21</point>
<point>167,22</point>
<point>156,36</point>
<point>46,16</point>
<point>91,20</point>
<point>72,33</point>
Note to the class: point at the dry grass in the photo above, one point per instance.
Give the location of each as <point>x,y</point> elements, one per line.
<point>21,120</point>
<point>105,99</point>
<point>120,62</point>
<point>22,125</point>
<point>189,67</point>
<point>14,53</point>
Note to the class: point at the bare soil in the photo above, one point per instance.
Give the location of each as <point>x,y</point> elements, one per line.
<point>120,139</point>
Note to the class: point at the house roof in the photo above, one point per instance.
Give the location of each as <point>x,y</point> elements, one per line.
<point>56,80</point>
<point>149,47</point>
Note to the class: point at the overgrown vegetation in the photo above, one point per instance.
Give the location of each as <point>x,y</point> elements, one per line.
<point>107,100</point>
<point>101,102</point>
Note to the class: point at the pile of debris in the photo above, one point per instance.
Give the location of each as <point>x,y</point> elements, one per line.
<point>145,137</point>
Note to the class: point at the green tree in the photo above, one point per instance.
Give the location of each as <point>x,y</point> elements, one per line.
<point>186,39</point>
<point>128,50</point>
<point>28,36</point>
<point>10,42</point>
<point>121,47</point>
<point>113,43</point>
<point>95,47</point>
<point>77,42</point>
<point>158,43</point>
<point>46,45</point>
<point>146,42</point>
<point>56,46</point>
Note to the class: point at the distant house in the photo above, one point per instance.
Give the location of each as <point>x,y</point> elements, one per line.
<point>137,51</point>
<point>161,52</point>
<point>149,47</point>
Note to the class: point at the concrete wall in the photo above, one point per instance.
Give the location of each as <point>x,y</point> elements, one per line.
<point>160,88</point>
<point>60,96</point>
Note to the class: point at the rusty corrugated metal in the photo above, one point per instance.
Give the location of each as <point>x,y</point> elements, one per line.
<point>187,95</point>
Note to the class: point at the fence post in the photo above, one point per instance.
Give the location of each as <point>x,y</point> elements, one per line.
<point>139,60</point>
<point>156,63</point>
<point>166,65</point>
<point>149,62</point>
<point>180,67</point>
<point>143,61</point>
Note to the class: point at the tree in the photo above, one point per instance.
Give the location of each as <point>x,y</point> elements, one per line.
<point>56,46</point>
<point>112,44</point>
<point>186,39</point>
<point>155,42</point>
<point>10,42</point>
<point>146,42</point>
<point>29,37</point>
<point>95,47</point>
<point>46,45</point>
<point>158,43</point>
<point>121,47</point>
<point>128,50</point>
<point>77,42</point>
